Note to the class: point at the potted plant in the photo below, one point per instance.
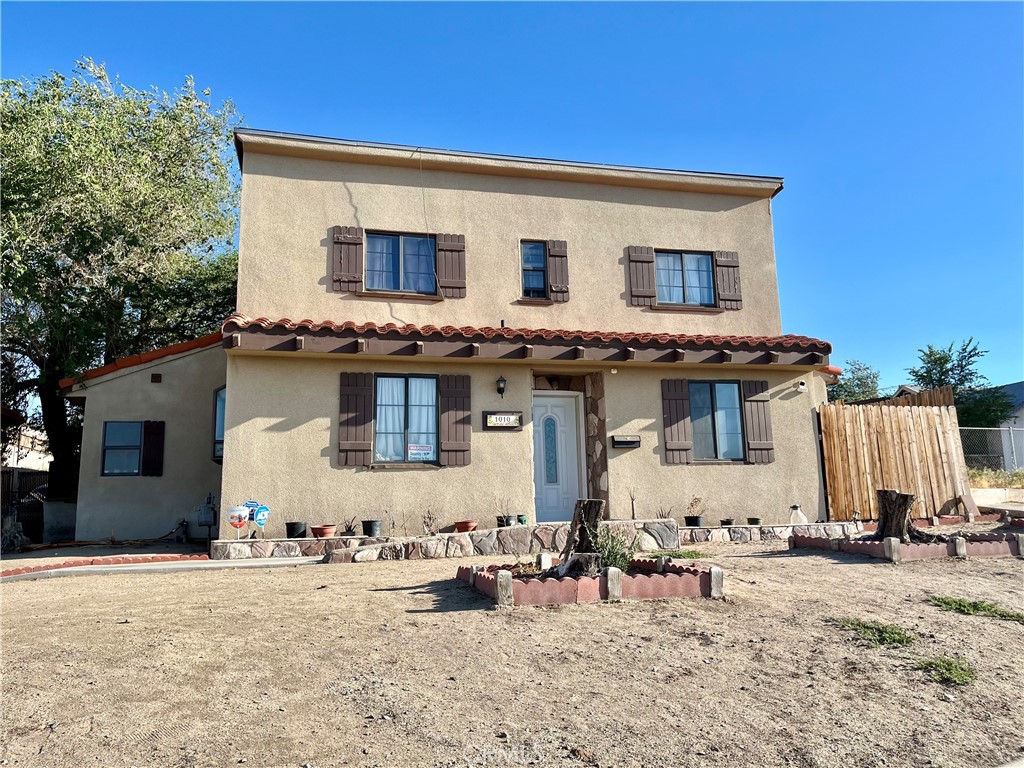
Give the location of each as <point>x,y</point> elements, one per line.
<point>725,522</point>
<point>464,526</point>
<point>295,530</point>
<point>521,519</point>
<point>371,528</point>
<point>350,527</point>
<point>753,521</point>
<point>323,531</point>
<point>694,521</point>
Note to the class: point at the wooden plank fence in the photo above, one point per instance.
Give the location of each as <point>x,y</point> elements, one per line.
<point>911,448</point>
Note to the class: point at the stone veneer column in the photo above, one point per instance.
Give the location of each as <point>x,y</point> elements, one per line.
<point>597,438</point>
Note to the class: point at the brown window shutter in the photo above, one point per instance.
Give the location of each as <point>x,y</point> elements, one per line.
<point>757,422</point>
<point>451,265</point>
<point>355,425</point>
<point>558,270</point>
<point>348,259</point>
<point>727,280</point>
<point>456,423</point>
<point>675,406</point>
<point>152,449</point>
<point>642,287</point>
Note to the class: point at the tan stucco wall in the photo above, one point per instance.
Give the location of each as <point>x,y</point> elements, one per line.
<point>727,490</point>
<point>282,433</point>
<point>289,205</point>
<point>282,416</point>
<point>143,507</point>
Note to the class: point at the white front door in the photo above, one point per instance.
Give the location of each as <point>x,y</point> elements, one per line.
<point>556,455</point>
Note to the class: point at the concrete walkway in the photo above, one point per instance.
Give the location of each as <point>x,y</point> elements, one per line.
<point>161,567</point>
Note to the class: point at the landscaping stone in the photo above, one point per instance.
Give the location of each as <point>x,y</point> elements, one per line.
<point>460,545</point>
<point>287,549</point>
<point>665,532</point>
<point>647,542</point>
<point>685,536</point>
<point>341,555</point>
<point>543,538</point>
<point>366,554</point>
<point>561,536</point>
<point>239,550</point>
<point>739,533</point>
<point>700,534</point>
<point>776,532</point>
<point>262,548</point>
<point>484,542</point>
<point>412,550</point>
<point>433,548</point>
<point>718,535</point>
<point>514,540</point>
<point>503,588</point>
<point>313,548</point>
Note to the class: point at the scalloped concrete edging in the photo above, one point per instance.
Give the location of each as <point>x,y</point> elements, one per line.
<point>662,580</point>
<point>104,560</point>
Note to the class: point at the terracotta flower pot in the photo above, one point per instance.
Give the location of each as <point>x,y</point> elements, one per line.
<point>322,531</point>
<point>463,526</point>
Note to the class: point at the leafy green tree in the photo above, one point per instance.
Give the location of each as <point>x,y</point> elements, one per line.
<point>858,382</point>
<point>119,208</point>
<point>977,404</point>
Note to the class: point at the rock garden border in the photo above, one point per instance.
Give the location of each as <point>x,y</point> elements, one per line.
<point>654,535</point>
<point>892,549</point>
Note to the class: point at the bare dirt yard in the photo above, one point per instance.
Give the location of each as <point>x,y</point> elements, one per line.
<point>397,664</point>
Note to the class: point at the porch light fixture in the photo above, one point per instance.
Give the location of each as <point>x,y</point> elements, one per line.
<point>501,386</point>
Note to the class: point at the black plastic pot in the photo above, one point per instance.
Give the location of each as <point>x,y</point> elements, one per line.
<point>753,521</point>
<point>371,528</point>
<point>725,522</point>
<point>295,530</point>
<point>694,521</point>
<point>502,521</point>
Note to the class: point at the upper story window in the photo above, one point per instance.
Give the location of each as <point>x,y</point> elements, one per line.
<point>219,400</point>
<point>717,420</point>
<point>406,419</point>
<point>535,270</point>
<point>405,263</point>
<point>685,278</point>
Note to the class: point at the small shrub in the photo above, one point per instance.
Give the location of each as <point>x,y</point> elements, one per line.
<point>612,547</point>
<point>976,608</point>
<point>685,554</point>
<point>876,634</point>
<point>942,669</point>
<point>995,478</point>
<point>664,513</point>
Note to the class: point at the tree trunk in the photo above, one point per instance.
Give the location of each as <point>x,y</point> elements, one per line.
<point>62,482</point>
<point>580,545</point>
<point>894,515</point>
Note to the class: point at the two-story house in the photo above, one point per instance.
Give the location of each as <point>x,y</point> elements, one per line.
<point>469,334</point>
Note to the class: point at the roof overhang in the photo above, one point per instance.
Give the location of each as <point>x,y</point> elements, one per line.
<point>373,153</point>
<point>261,336</point>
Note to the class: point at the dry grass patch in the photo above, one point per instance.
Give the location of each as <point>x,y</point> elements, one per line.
<point>942,669</point>
<point>976,608</point>
<point>877,634</point>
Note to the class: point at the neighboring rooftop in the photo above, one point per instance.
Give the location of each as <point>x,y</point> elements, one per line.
<point>427,158</point>
<point>146,357</point>
<point>1015,392</point>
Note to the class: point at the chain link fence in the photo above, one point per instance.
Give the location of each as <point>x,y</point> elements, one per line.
<point>999,448</point>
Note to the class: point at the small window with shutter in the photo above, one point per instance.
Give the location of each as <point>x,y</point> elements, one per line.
<point>717,421</point>
<point>535,270</point>
<point>405,419</point>
<point>684,278</point>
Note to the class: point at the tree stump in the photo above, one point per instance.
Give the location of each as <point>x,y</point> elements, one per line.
<point>894,519</point>
<point>580,546</point>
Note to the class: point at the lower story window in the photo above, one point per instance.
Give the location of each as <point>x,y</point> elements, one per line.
<point>122,447</point>
<point>717,420</point>
<point>219,399</point>
<point>406,419</point>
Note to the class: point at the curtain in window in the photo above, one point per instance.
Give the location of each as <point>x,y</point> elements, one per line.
<point>701,415</point>
<point>418,264</point>
<point>382,262</point>
<point>390,421</point>
<point>699,284</point>
<point>422,419</point>
<point>669,278</point>
<point>728,421</point>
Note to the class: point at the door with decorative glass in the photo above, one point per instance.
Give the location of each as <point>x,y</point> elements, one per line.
<point>557,473</point>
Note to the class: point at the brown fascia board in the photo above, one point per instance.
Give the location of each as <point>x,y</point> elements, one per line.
<point>256,339</point>
<point>370,153</point>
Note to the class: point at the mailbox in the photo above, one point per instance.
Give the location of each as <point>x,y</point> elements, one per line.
<point>625,441</point>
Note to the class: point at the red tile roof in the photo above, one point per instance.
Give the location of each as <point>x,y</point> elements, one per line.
<point>241,322</point>
<point>146,357</point>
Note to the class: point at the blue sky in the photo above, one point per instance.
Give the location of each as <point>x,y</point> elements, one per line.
<point>899,128</point>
